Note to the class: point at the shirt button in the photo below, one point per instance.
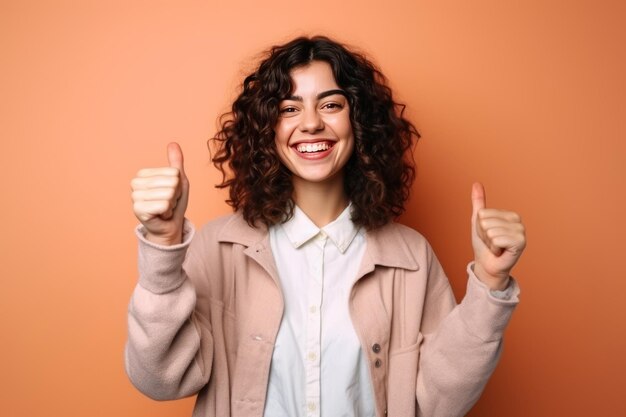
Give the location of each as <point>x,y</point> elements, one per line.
<point>311,406</point>
<point>378,363</point>
<point>313,309</point>
<point>376,348</point>
<point>312,356</point>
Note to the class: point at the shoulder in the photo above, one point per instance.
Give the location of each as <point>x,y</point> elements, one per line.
<point>399,233</point>
<point>404,230</point>
<point>215,225</point>
<point>211,244</point>
<point>398,245</point>
<point>230,228</point>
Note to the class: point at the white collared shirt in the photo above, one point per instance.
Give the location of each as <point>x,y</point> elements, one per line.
<point>318,368</point>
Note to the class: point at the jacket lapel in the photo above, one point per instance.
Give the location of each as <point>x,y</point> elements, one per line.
<point>255,239</point>
<point>386,247</point>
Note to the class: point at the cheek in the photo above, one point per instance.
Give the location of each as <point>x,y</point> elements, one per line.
<point>349,152</point>
<point>280,142</point>
<point>280,149</point>
<point>282,133</point>
<point>342,125</point>
<point>348,134</point>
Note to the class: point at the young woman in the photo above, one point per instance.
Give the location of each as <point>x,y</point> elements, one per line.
<point>309,299</point>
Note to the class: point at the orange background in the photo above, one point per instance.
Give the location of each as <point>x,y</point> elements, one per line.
<point>527,97</point>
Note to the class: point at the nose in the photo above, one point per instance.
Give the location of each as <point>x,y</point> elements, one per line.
<point>311,121</point>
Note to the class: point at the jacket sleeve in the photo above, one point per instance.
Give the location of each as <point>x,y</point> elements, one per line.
<point>169,349</point>
<point>461,344</point>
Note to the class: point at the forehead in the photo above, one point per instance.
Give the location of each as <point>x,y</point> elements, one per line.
<point>313,78</point>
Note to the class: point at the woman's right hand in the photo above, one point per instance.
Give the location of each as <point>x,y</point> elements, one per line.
<point>160,197</point>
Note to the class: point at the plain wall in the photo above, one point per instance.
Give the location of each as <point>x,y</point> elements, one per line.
<point>527,97</point>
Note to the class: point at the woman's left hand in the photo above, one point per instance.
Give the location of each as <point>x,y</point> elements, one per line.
<point>498,239</point>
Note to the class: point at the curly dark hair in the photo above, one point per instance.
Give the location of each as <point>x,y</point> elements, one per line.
<point>378,175</point>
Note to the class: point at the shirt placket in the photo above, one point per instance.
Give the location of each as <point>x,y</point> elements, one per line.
<point>314,325</point>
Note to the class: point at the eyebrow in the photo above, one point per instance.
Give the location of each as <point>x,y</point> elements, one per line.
<point>321,95</point>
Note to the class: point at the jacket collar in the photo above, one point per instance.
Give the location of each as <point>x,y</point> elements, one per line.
<point>386,245</point>
<point>237,230</point>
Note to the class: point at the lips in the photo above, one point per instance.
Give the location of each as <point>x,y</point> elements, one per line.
<point>312,147</point>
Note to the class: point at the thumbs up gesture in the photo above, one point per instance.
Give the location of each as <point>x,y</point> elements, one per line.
<point>498,240</point>
<point>160,197</point>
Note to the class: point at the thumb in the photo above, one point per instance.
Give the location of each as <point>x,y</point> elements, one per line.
<point>478,198</point>
<point>175,157</point>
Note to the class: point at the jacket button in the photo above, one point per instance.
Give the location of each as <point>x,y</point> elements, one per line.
<point>376,348</point>
<point>378,363</point>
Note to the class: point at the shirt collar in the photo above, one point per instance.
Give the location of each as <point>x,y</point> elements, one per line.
<point>391,245</point>
<point>300,229</point>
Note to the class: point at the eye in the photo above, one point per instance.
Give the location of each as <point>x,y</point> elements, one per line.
<point>332,106</point>
<point>288,111</point>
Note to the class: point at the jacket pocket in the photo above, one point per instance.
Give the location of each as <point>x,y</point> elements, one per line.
<point>403,367</point>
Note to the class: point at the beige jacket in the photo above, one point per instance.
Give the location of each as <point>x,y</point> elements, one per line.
<point>209,327</point>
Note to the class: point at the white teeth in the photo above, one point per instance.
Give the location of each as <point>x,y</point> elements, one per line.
<point>315,147</point>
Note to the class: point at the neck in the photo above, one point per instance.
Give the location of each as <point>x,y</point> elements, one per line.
<point>322,202</point>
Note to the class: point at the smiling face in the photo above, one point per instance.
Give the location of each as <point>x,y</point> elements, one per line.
<point>313,134</point>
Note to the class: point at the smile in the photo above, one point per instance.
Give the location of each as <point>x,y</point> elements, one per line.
<point>314,147</point>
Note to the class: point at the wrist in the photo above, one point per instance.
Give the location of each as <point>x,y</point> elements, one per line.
<point>163,240</point>
<point>497,282</point>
